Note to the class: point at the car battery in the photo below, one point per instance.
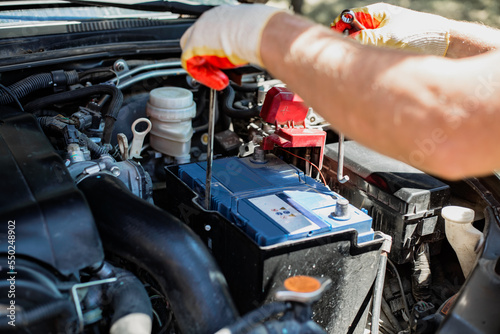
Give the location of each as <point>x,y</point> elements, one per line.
<point>273,201</point>
<point>403,201</point>
<point>257,248</point>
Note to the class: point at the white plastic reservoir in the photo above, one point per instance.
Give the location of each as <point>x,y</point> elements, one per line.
<point>461,235</point>
<point>171,110</point>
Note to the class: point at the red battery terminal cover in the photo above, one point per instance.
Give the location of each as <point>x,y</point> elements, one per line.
<point>287,110</point>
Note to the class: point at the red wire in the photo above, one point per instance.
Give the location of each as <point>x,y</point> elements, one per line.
<point>319,171</point>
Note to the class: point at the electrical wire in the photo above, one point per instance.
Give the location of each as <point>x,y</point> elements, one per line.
<point>403,297</point>
<point>14,97</point>
<point>319,171</point>
<point>157,318</point>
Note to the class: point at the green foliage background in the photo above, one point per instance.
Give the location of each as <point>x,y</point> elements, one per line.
<point>482,11</point>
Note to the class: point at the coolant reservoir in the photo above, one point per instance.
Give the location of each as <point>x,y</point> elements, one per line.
<point>461,235</point>
<point>171,110</point>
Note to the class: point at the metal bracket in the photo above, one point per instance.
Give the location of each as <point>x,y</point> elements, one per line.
<point>340,168</point>
<point>76,300</point>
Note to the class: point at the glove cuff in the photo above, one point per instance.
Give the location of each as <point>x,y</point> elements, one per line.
<point>433,38</point>
<point>406,29</point>
<point>431,42</point>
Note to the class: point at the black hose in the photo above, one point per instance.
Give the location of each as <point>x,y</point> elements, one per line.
<point>14,97</point>
<point>44,312</point>
<point>111,112</point>
<point>33,83</point>
<point>167,249</point>
<point>249,320</point>
<point>44,121</point>
<point>247,88</point>
<point>232,112</point>
<point>204,127</point>
<point>128,296</point>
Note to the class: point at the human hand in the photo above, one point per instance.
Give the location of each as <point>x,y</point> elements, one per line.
<point>222,38</point>
<point>396,27</point>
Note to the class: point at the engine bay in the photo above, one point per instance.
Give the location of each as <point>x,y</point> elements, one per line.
<point>116,219</point>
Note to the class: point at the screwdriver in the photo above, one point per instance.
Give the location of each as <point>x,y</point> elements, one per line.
<point>347,16</point>
<point>210,147</point>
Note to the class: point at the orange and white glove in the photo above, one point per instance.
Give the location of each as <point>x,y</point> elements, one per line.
<point>224,37</point>
<point>400,28</point>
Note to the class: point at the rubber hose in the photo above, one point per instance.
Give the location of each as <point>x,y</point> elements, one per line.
<point>247,88</point>
<point>249,320</point>
<point>167,249</point>
<point>39,313</point>
<point>204,127</point>
<point>33,83</point>
<point>128,296</point>
<point>232,112</point>
<point>112,110</point>
<point>107,131</point>
<point>44,120</point>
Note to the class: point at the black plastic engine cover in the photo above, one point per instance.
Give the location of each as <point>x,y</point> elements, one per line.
<point>403,201</point>
<point>53,223</point>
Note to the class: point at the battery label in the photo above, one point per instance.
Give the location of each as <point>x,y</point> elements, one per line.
<point>284,214</point>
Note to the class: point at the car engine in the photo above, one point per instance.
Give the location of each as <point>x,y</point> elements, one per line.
<point>135,200</point>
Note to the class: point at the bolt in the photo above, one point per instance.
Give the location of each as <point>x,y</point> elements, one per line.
<point>204,139</point>
<point>341,209</point>
<point>115,170</point>
<point>120,65</point>
<point>208,228</point>
<point>259,155</point>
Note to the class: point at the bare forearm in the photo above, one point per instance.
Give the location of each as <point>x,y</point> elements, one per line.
<point>470,39</point>
<point>393,102</point>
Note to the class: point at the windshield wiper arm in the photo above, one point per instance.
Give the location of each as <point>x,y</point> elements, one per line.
<point>153,6</point>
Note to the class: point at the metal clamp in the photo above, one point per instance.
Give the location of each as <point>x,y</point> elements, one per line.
<point>76,299</point>
<point>123,145</point>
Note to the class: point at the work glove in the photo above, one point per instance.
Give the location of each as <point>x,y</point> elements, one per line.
<point>390,26</point>
<point>223,38</point>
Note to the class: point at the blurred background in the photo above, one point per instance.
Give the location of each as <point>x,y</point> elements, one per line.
<point>324,11</point>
